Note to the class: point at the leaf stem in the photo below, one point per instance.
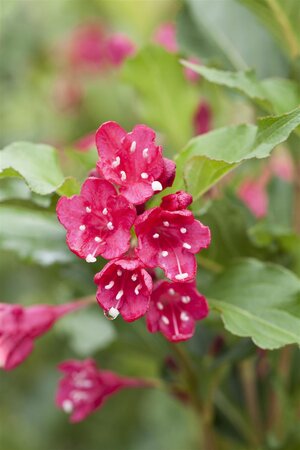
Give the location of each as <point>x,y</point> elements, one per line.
<point>286,28</point>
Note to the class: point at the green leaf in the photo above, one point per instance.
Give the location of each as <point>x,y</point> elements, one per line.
<point>230,145</point>
<point>38,165</point>
<point>88,331</point>
<point>274,94</point>
<point>33,235</point>
<point>259,300</point>
<point>215,31</point>
<point>168,100</point>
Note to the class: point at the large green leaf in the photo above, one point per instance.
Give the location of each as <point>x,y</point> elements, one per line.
<point>274,94</point>
<point>223,148</point>
<point>168,100</point>
<point>38,165</point>
<point>215,30</point>
<point>33,235</point>
<point>259,300</point>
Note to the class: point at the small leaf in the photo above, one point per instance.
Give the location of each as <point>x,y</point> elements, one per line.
<point>273,94</point>
<point>259,300</point>
<point>33,235</point>
<point>38,165</point>
<point>88,331</point>
<point>230,145</point>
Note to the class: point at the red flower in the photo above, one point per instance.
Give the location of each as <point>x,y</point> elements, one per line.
<point>20,326</point>
<point>253,193</point>
<point>169,239</point>
<point>132,160</point>
<point>84,388</point>
<point>124,287</point>
<point>118,48</point>
<point>165,36</point>
<point>174,308</point>
<point>203,118</point>
<point>97,221</point>
<point>86,47</point>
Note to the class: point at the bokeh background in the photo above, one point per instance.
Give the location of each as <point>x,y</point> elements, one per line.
<point>51,92</point>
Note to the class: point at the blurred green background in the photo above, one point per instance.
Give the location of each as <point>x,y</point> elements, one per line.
<point>43,100</point>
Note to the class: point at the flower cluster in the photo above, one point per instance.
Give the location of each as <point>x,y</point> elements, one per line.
<point>109,219</point>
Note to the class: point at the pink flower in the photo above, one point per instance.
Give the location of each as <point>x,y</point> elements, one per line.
<point>174,308</point>
<point>85,143</point>
<point>281,165</point>
<point>97,221</point>
<point>86,47</point>
<point>253,193</point>
<point>124,287</point>
<point>118,48</point>
<point>84,388</point>
<point>169,239</point>
<point>190,74</point>
<point>174,202</point>
<point>131,160</point>
<point>203,118</point>
<point>165,36</point>
<point>20,326</point>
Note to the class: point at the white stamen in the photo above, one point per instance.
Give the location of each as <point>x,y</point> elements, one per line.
<point>181,276</point>
<point>156,186</point>
<point>119,294</point>
<point>186,245</point>
<point>67,406</point>
<point>110,226</point>
<point>90,258</point>
<point>144,175</point>
<point>145,153</point>
<point>183,230</point>
<point>160,305</point>
<point>109,285</point>
<point>184,316</point>
<point>88,209</point>
<point>113,313</point>
<point>166,223</point>
<point>97,239</point>
<point>137,289</point>
<point>164,253</point>
<point>186,299</point>
<point>123,175</point>
<point>116,162</point>
<point>105,211</point>
<point>171,291</point>
<point>132,147</point>
<point>119,273</point>
<point>134,277</point>
<point>156,236</point>
<point>82,227</point>
<point>165,320</point>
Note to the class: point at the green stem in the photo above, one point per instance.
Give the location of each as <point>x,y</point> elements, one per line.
<point>285,26</point>
<point>204,411</point>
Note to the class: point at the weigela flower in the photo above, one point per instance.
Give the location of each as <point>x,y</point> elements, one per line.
<point>253,193</point>
<point>132,161</point>
<point>20,326</point>
<point>174,308</point>
<point>124,287</point>
<point>165,36</point>
<point>97,221</point>
<point>85,143</point>
<point>190,74</point>
<point>118,48</point>
<point>86,47</point>
<point>169,239</point>
<point>203,118</point>
<point>84,388</point>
